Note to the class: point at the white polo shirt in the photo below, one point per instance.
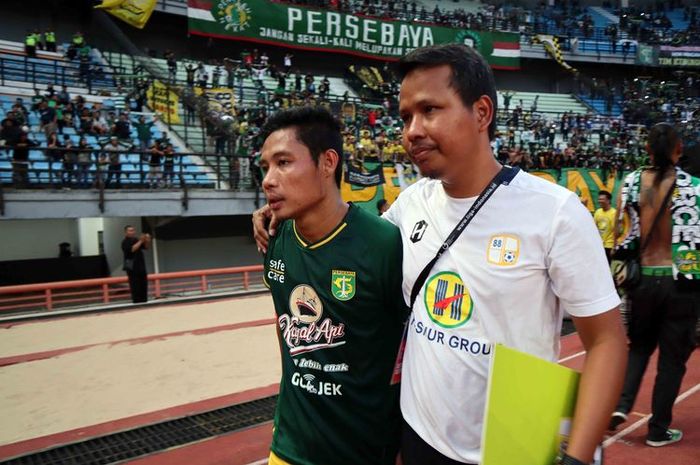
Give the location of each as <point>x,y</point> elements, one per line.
<point>531,252</point>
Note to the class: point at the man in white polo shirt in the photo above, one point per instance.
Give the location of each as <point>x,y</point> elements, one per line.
<point>529,253</point>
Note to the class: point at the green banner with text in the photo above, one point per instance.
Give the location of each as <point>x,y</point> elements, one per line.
<point>306,28</point>
<point>584,182</point>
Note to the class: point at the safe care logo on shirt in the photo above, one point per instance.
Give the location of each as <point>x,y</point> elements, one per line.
<point>503,250</point>
<point>304,330</point>
<point>447,300</point>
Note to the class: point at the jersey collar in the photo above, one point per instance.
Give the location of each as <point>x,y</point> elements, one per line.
<point>329,237</point>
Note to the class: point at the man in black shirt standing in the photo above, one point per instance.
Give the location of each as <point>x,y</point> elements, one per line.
<point>134,263</point>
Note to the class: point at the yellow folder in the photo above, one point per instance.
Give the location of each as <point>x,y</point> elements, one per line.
<point>529,407</point>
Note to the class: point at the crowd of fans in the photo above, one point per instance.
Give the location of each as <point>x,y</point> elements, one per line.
<point>527,137</point>
<point>61,119</point>
<point>565,17</point>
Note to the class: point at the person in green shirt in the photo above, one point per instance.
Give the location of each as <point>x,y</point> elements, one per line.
<point>334,271</point>
<point>143,131</point>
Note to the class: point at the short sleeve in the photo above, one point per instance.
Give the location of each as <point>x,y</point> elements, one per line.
<point>577,265</point>
<point>392,215</point>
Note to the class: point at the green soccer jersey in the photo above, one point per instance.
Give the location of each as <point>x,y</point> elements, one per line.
<point>339,312</point>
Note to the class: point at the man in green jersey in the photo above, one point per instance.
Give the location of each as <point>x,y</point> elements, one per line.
<point>334,271</point>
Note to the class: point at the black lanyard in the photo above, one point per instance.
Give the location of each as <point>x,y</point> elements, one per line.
<point>505,176</point>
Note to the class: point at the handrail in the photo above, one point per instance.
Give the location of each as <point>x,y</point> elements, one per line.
<point>210,175</point>
<point>102,291</point>
<point>95,76</point>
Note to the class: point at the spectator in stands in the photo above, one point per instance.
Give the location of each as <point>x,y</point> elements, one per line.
<point>190,70</point>
<point>202,76</point>
<point>64,96</point>
<point>143,131</point>
<point>37,98</point>
<point>216,76</point>
<point>172,65</point>
<point>84,68</point>
<point>20,160</point>
<point>154,162</point>
<point>10,130</point>
<point>99,124</point>
<point>287,63</point>
<point>134,263</point>
<point>168,166</point>
<point>50,38</point>
<point>70,158</point>
<point>122,128</point>
<point>112,149</point>
<point>47,118</point>
<point>53,154</point>
<point>30,44</point>
<point>84,161</point>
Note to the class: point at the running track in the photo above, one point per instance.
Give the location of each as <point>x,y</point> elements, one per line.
<point>192,324</point>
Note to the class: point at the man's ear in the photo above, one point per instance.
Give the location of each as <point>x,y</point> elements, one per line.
<point>328,162</point>
<point>483,109</point>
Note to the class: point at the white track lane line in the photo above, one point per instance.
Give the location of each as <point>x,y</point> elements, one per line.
<point>570,357</point>
<point>258,462</point>
<point>644,419</point>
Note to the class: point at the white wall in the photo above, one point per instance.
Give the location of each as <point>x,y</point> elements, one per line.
<point>218,252</point>
<point>88,229</point>
<point>27,239</point>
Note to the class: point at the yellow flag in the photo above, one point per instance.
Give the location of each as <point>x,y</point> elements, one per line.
<point>134,12</point>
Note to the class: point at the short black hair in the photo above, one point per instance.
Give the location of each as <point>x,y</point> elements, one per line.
<point>315,127</point>
<point>127,227</point>
<point>471,75</point>
<point>606,194</point>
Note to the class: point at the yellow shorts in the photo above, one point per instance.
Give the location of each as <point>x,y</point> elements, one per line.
<point>274,460</point>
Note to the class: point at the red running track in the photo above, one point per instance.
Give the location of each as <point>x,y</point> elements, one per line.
<point>627,447</point>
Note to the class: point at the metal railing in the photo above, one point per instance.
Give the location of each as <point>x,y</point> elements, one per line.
<point>106,291</point>
<point>133,170</point>
<point>58,72</point>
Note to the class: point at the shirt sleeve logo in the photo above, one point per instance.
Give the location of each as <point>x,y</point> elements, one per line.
<point>343,284</point>
<point>447,300</point>
<point>503,250</point>
<point>418,231</point>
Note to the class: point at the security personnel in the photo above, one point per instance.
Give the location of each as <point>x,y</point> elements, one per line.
<point>78,40</point>
<point>50,39</point>
<point>30,44</point>
<point>39,42</point>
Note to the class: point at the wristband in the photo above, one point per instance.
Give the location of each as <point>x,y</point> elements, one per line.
<point>569,460</point>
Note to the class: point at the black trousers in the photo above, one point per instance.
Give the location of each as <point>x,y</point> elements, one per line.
<point>661,315</point>
<point>415,451</point>
<point>138,284</point>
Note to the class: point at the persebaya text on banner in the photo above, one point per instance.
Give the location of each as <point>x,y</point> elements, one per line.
<point>306,28</point>
<point>134,12</point>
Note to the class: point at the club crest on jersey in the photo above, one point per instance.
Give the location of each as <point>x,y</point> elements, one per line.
<point>503,250</point>
<point>447,300</point>
<point>304,330</point>
<point>343,284</point>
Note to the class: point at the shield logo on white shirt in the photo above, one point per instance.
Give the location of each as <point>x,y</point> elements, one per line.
<point>503,250</point>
